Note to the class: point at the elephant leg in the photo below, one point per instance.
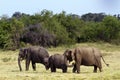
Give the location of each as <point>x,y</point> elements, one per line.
<point>64,69</point>
<point>34,66</point>
<point>53,68</point>
<point>78,63</point>
<point>95,69</point>
<point>27,64</point>
<point>74,68</point>
<point>78,67</point>
<point>100,67</point>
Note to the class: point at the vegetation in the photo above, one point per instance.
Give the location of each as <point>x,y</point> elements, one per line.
<point>9,69</point>
<point>59,31</point>
<point>48,29</point>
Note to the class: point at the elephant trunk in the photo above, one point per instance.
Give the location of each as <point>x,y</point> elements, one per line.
<point>46,63</point>
<point>19,63</point>
<point>69,65</point>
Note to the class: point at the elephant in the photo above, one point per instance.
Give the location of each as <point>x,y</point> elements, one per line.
<point>88,56</point>
<point>34,54</point>
<point>58,61</point>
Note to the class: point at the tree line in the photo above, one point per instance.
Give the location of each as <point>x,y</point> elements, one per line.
<point>47,29</point>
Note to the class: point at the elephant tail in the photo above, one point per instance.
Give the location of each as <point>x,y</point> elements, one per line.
<point>104,61</point>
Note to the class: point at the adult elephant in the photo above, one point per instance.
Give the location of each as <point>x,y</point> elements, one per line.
<point>33,54</point>
<point>85,56</point>
<point>58,61</point>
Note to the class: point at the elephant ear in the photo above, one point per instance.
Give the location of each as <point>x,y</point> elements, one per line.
<point>21,52</point>
<point>68,54</point>
<point>71,55</point>
<point>25,52</point>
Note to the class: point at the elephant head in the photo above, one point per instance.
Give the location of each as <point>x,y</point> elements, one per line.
<point>46,63</point>
<point>69,54</point>
<point>22,55</point>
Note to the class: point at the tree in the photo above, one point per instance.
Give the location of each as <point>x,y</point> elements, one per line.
<point>89,32</point>
<point>37,35</point>
<point>4,32</point>
<point>17,15</point>
<point>96,17</point>
<point>15,30</point>
<point>112,27</point>
<point>58,30</point>
<point>72,24</point>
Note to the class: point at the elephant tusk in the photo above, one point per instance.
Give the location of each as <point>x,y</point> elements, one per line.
<point>72,63</point>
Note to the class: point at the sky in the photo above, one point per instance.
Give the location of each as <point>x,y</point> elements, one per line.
<point>79,7</point>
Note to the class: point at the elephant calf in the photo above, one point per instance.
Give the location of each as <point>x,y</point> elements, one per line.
<point>35,55</point>
<point>58,61</point>
<point>85,56</point>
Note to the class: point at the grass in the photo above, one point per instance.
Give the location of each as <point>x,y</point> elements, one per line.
<point>9,68</point>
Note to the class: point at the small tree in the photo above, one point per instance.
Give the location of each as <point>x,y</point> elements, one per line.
<point>112,27</point>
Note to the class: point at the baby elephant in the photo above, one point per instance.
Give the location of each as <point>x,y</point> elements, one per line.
<point>58,61</point>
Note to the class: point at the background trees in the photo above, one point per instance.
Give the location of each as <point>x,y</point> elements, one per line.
<point>48,29</point>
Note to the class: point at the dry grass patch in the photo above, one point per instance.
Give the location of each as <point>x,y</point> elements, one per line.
<point>9,68</point>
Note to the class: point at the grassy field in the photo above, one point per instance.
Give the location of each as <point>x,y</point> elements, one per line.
<point>9,68</point>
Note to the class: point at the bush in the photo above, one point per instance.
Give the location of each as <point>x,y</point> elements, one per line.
<point>48,29</point>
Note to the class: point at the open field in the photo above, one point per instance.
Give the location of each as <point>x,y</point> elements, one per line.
<point>9,69</point>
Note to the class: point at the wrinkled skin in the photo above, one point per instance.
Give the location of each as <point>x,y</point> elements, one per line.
<point>58,61</point>
<point>35,55</point>
<point>85,56</point>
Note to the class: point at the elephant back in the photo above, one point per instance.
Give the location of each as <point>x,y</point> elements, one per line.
<point>39,51</point>
<point>57,60</point>
<point>38,54</point>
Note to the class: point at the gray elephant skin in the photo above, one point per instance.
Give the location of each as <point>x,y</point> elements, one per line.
<point>33,54</point>
<point>85,56</point>
<point>58,61</point>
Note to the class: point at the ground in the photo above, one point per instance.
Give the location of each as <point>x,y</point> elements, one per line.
<point>9,68</point>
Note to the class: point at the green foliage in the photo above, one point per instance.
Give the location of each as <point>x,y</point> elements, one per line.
<point>112,27</point>
<point>89,32</point>
<point>57,29</point>
<point>96,17</point>
<point>10,33</point>
<point>15,31</point>
<point>72,23</point>
<point>4,32</point>
<point>107,30</point>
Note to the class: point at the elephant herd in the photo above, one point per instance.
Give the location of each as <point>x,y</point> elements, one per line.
<point>80,56</point>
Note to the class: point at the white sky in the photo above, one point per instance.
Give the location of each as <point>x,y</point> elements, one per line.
<point>79,7</point>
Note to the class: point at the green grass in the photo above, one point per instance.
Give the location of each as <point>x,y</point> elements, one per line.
<point>9,68</point>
